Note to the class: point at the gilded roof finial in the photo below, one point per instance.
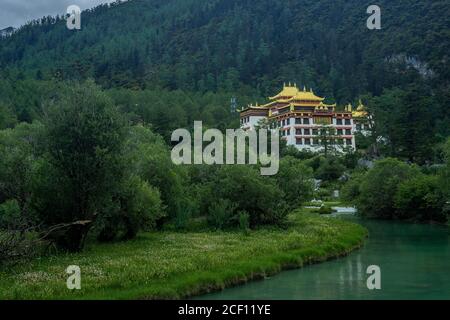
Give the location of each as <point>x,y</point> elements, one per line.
<point>289,83</point>
<point>304,88</point>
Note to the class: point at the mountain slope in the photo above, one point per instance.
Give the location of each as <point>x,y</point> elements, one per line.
<point>201,45</point>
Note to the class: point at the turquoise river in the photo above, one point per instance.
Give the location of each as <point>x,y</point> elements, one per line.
<point>414,260</point>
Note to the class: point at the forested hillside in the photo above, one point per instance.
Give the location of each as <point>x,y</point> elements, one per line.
<point>248,49</point>
<point>224,44</point>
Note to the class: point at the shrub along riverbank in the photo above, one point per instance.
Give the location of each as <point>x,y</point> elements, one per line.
<point>176,265</point>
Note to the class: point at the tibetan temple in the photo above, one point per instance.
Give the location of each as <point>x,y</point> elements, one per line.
<point>304,120</point>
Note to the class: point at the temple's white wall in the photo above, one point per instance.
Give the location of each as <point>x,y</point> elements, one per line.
<point>294,132</point>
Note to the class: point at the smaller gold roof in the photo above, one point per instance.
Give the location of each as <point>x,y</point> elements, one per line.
<point>327,105</point>
<point>307,95</point>
<point>361,111</point>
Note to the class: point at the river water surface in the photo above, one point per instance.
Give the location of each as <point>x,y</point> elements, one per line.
<point>414,261</point>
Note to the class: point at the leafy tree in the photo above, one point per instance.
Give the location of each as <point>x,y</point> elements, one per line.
<point>247,190</point>
<point>420,198</point>
<point>296,181</point>
<point>379,187</point>
<point>84,138</point>
<point>136,207</point>
<point>150,158</point>
<point>329,169</point>
<point>351,190</point>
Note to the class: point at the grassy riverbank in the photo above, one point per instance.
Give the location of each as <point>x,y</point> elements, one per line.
<point>175,265</point>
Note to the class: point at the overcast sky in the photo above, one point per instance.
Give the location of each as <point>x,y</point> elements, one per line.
<point>17,12</point>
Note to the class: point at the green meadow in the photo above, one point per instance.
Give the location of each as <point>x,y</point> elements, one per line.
<point>172,265</point>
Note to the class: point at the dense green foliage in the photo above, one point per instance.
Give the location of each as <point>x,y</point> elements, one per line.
<point>295,180</point>
<point>200,45</point>
<point>412,121</point>
<point>421,198</point>
<point>395,190</point>
<point>84,136</point>
<point>245,189</point>
<point>377,191</point>
<point>71,168</point>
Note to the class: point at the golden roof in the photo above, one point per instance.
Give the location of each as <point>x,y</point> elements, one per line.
<point>295,94</point>
<point>307,95</point>
<point>288,91</point>
<point>327,105</point>
<point>256,106</point>
<point>361,111</point>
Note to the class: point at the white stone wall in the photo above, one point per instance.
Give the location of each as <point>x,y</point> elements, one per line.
<point>252,121</point>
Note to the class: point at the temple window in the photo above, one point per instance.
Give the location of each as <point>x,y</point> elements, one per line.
<point>339,122</point>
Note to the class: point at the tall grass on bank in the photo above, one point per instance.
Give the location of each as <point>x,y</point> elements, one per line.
<point>169,265</point>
